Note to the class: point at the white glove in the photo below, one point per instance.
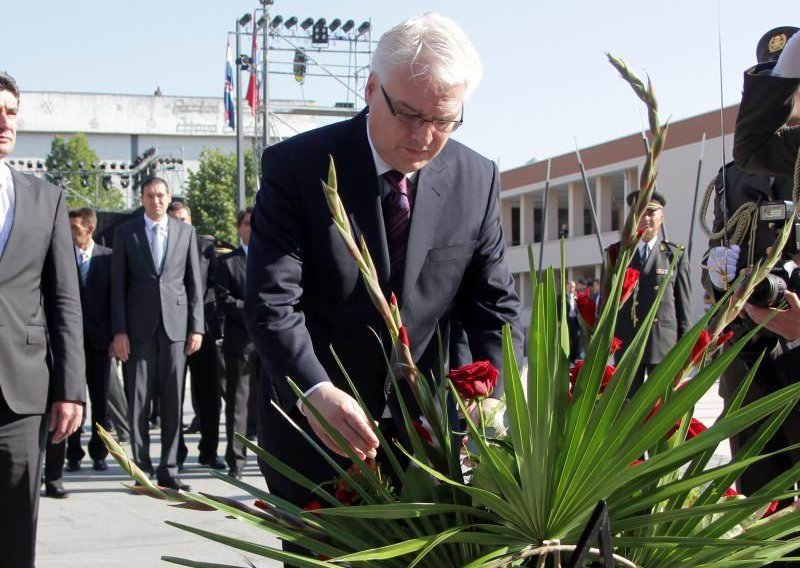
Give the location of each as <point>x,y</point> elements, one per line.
<point>788,64</point>
<point>721,265</point>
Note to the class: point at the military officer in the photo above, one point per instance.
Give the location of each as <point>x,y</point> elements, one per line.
<point>652,259</point>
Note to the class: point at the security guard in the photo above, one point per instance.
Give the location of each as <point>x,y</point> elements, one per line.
<point>652,259</point>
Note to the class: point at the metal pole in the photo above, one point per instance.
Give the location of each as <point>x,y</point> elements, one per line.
<point>696,191</point>
<point>265,80</point>
<point>239,135</point>
<point>591,201</point>
<point>544,218</point>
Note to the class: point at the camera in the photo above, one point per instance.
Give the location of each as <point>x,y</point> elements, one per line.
<point>772,218</point>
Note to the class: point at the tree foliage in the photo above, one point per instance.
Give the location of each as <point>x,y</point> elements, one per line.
<point>71,164</point>
<point>211,192</point>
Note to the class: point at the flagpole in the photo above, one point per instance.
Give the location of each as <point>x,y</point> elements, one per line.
<point>240,203</point>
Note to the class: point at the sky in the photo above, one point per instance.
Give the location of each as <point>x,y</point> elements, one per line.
<point>546,79</point>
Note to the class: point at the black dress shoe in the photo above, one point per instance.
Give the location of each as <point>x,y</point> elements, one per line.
<point>174,483</point>
<point>73,465</point>
<point>235,473</point>
<point>100,465</point>
<point>194,427</point>
<point>214,463</point>
<point>55,491</point>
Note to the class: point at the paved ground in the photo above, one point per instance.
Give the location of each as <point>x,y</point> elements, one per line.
<point>102,524</point>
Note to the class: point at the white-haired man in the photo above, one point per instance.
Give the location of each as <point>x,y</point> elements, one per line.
<point>428,209</point>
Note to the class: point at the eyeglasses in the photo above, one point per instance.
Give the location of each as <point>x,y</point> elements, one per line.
<point>416,120</point>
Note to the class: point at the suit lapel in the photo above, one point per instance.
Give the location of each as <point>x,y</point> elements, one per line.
<point>358,185</point>
<point>432,185</point>
<point>172,240</point>
<point>23,203</point>
<point>140,234</point>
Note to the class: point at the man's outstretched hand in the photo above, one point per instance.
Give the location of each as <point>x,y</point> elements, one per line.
<point>343,413</point>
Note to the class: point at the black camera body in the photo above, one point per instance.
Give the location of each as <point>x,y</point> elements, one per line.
<point>772,218</point>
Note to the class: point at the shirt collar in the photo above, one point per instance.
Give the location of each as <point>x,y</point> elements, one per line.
<point>88,252</point>
<point>650,244</point>
<point>148,223</point>
<point>6,180</point>
<point>244,248</point>
<point>381,167</point>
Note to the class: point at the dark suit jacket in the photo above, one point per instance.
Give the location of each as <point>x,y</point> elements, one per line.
<point>40,307</point>
<point>207,254</point>
<point>96,300</point>
<point>230,299</point>
<point>760,145</point>
<point>141,298</point>
<point>304,292</point>
<point>674,317</point>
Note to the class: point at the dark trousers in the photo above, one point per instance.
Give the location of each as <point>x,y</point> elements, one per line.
<point>574,328</point>
<point>22,439</point>
<point>156,365</point>
<point>54,462</point>
<point>241,374</point>
<point>204,367</point>
<point>98,375</point>
<point>117,407</point>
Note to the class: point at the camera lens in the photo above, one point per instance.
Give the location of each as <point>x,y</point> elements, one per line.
<point>769,292</point>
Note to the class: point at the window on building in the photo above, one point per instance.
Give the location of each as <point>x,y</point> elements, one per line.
<point>537,225</point>
<point>515,227</point>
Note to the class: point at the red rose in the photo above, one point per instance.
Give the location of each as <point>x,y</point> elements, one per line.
<point>476,380</point>
<point>616,343</point>
<point>631,279</point>
<point>576,368</point>
<point>587,307</point>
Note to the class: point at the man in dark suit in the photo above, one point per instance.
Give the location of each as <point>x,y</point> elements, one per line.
<point>204,364</point>
<point>41,346</point>
<point>652,259</point>
<point>241,359</point>
<point>428,210</point>
<point>770,99</point>
<point>157,320</point>
<point>94,276</point>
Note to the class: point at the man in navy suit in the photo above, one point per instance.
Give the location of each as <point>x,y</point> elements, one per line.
<point>157,320</point>
<point>428,209</point>
<point>241,359</point>
<point>41,346</point>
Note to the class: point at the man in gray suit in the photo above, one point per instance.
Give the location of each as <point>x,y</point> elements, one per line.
<point>41,346</point>
<point>157,320</point>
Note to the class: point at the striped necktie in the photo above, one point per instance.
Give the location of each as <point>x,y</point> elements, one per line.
<point>397,219</point>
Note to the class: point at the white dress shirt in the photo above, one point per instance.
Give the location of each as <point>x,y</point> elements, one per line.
<point>160,252</point>
<point>7,202</point>
<point>84,258</point>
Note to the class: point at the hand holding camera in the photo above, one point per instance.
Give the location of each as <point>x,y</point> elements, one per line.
<point>786,323</point>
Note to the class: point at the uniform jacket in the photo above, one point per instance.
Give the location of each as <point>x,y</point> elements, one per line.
<point>674,316</point>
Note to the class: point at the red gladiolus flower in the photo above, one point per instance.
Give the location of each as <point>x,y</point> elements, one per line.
<point>587,307</point>
<point>616,343</point>
<point>345,493</point>
<point>313,506</point>
<point>695,429</point>
<point>631,279</point>
<point>730,492</point>
<point>476,380</point>
<point>402,335</point>
<point>771,509</point>
<point>261,505</point>
<point>639,234</point>
<point>637,461</point>
<point>724,338</point>
<point>393,300</point>
<point>422,432</point>
<point>700,345</point>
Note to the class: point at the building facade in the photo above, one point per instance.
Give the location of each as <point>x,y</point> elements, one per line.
<point>613,169</point>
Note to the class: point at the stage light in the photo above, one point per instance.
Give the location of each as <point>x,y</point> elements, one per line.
<point>244,20</point>
<point>362,29</point>
<point>319,34</point>
<point>290,23</point>
<point>348,25</point>
<point>125,181</point>
<point>261,21</point>
<point>276,21</point>
<point>106,182</point>
<point>307,23</point>
<point>335,25</point>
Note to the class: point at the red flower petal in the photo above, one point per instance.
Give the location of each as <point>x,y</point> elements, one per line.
<point>587,308</point>
<point>313,506</point>
<point>616,343</point>
<point>629,283</point>
<point>422,432</point>
<point>402,335</point>
<point>700,346</point>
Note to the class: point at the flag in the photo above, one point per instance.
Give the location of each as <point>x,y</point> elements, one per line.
<point>252,82</point>
<point>230,114</point>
